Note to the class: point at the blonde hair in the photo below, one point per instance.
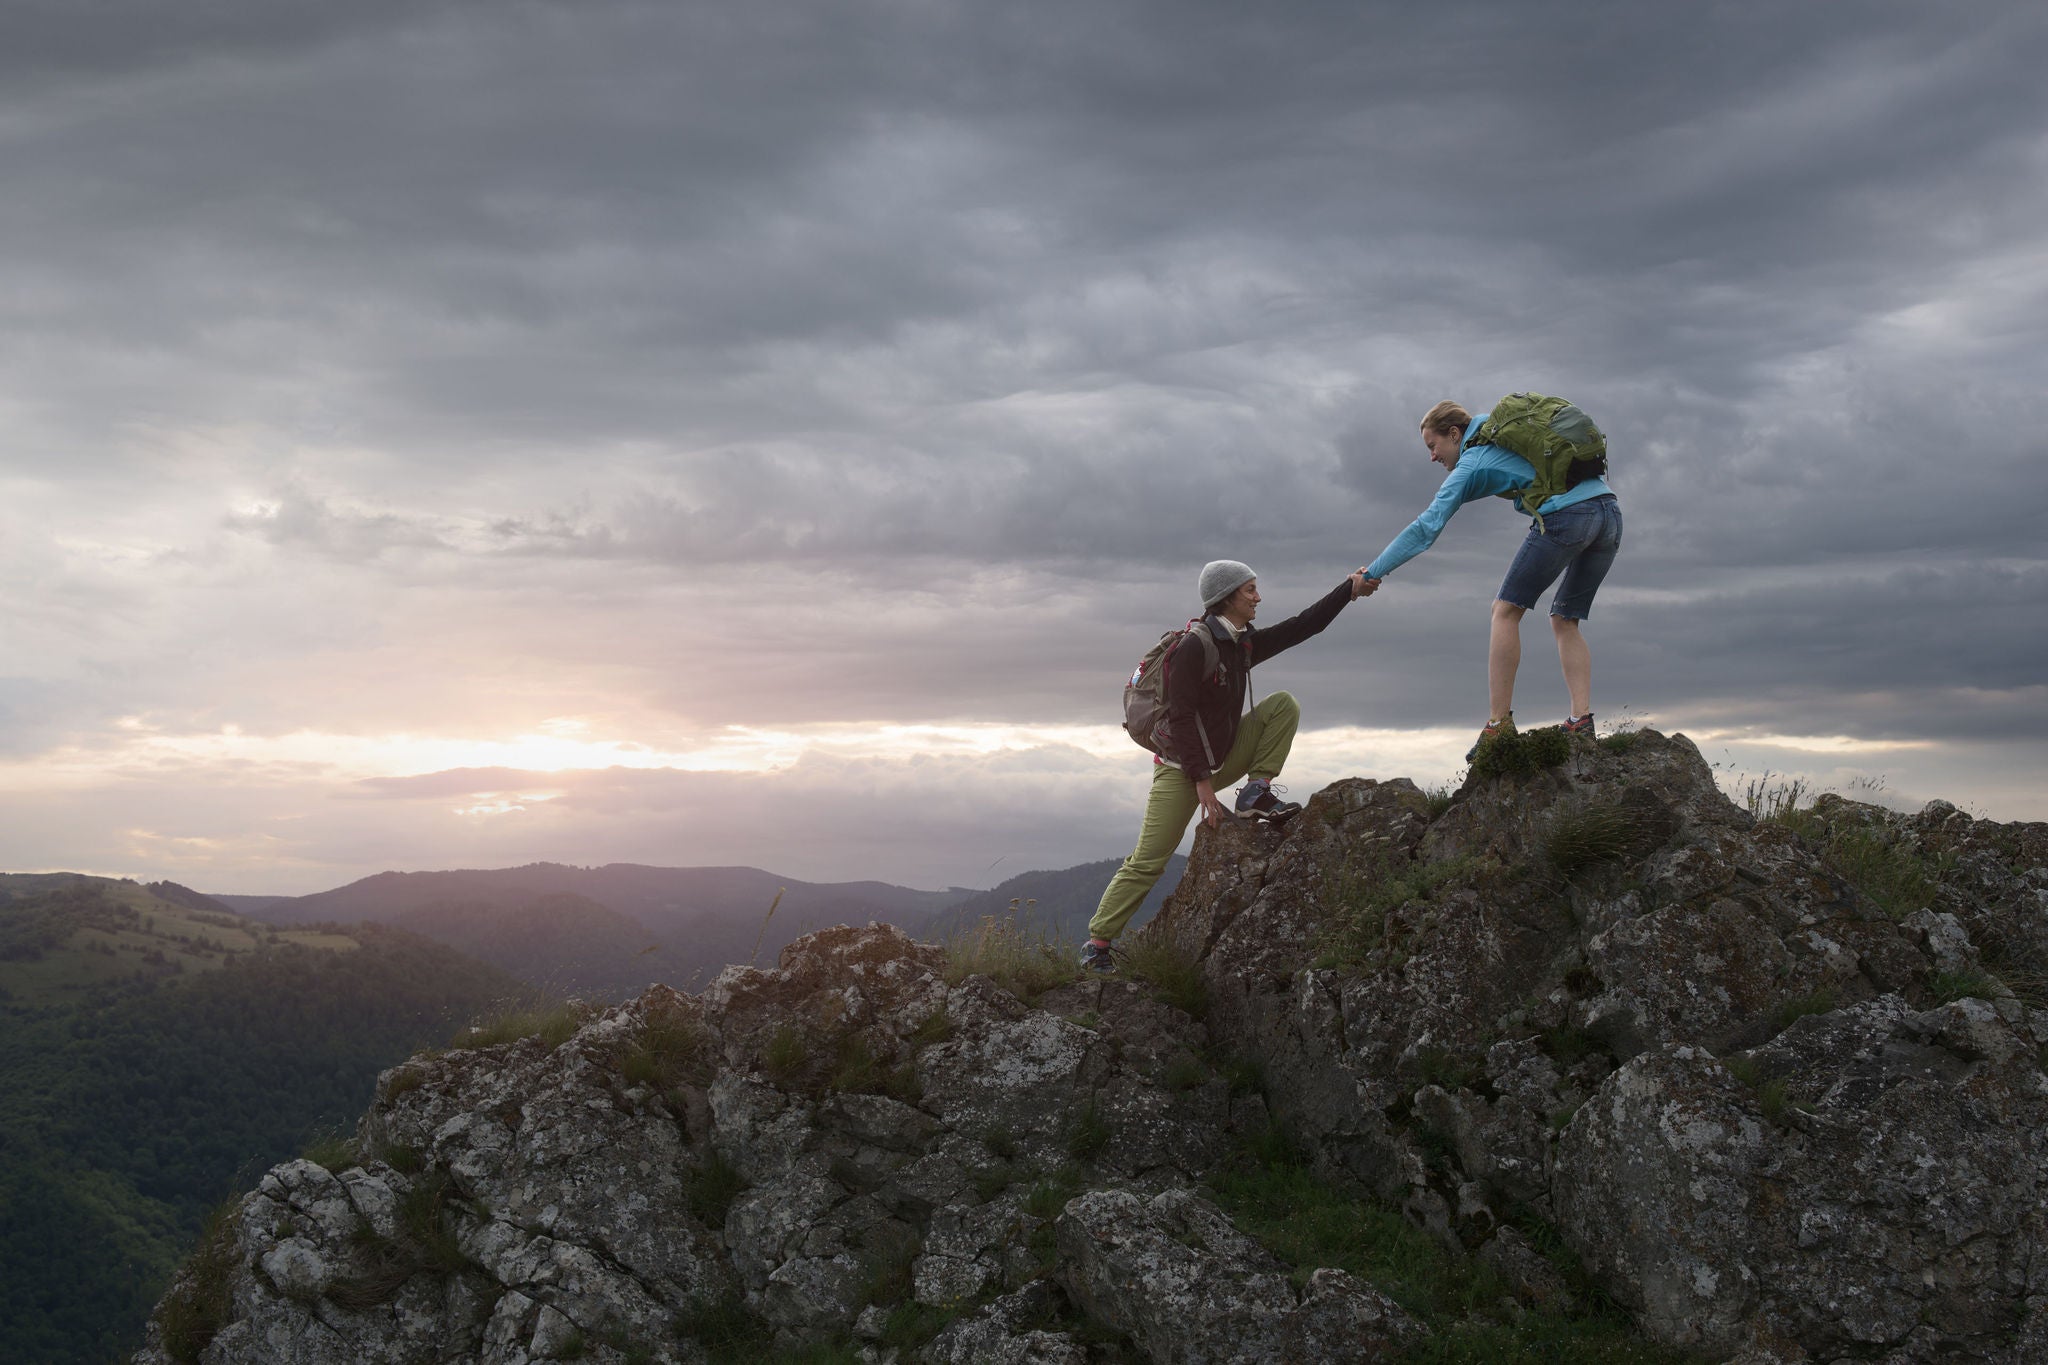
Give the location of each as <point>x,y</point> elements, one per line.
<point>1447,416</point>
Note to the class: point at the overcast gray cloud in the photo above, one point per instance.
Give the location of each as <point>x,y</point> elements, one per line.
<point>400,378</point>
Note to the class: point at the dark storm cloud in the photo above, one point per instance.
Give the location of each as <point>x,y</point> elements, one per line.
<point>987,325</point>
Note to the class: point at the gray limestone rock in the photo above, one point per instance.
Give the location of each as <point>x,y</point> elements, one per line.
<point>1881,1169</point>
<point>1189,1287</point>
<point>1595,1006</point>
<point>1002,1333</point>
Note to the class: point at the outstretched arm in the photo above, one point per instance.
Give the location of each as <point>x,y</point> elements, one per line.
<point>1262,643</point>
<point>1423,531</point>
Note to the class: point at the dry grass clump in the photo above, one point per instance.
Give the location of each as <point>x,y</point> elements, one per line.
<point>1026,963</point>
<point>1867,852</point>
<point>554,1025</point>
<point>668,1051</point>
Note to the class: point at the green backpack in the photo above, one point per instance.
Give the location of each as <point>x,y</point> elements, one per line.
<point>1551,434</point>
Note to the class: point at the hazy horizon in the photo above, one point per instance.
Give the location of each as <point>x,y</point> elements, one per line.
<point>998,877</point>
<point>438,436</point>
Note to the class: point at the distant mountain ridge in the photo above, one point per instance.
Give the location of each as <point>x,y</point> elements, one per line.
<point>697,919</point>
<point>664,898</point>
<point>611,931</point>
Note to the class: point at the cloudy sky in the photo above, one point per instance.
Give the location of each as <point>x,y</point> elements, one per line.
<point>462,434</point>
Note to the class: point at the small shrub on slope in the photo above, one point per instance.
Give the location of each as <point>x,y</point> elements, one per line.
<point>1510,755</point>
<point>201,1301</point>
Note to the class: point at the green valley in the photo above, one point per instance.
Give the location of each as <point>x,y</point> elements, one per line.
<point>158,1051</point>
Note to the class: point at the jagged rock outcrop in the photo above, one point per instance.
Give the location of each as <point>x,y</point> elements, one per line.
<point>788,1149</point>
<point>1592,1023</point>
<point>1602,998</point>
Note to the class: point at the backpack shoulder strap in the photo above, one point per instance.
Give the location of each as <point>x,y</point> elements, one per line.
<point>1210,656</point>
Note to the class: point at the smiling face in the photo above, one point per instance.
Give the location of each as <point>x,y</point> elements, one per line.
<point>1241,606</point>
<point>1443,445</point>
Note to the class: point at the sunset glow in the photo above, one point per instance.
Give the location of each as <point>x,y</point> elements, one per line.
<point>556,746</point>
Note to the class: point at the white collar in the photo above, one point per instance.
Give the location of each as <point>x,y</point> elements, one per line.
<point>1236,631</point>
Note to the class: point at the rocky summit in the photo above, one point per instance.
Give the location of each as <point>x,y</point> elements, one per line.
<point>1757,1086</point>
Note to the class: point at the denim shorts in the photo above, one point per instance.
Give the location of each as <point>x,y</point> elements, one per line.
<point>1577,541</point>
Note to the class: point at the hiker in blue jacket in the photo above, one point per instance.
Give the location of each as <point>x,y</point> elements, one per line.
<point>1574,534</point>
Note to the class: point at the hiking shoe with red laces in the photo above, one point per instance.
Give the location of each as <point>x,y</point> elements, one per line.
<point>1494,730</point>
<point>1579,725</point>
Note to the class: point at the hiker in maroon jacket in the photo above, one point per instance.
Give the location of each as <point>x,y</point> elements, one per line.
<point>1207,739</point>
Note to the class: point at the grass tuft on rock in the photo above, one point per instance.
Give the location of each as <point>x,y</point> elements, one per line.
<point>1355,927</point>
<point>1868,853</point>
<point>784,1056</point>
<point>426,1244</point>
<point>1088,1134</point>
<point>667,1051</point>
<point>1963,985</point>
<point>1529,751</point>
<point>1818,1001</point>
<point>935,1028</point>
<point>1050,1195</point>
<point>554,1025</point>
<point>710,1187</point>
<point>1592,835</point>
<point>201,1300</point>
<point>726,1329</point>
<point>855,1066</point>
<point>1170,970</point>
<point>333,1151</point>
<point>402,1157</point>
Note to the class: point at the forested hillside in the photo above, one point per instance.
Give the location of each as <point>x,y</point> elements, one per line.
<point>565,945</point>
<point>153,1056</point>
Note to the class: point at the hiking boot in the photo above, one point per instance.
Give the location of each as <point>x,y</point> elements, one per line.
<point>1258,800</point>
<point>1579,725</point>
<point>1098,957</point>
<point>1494,730</point>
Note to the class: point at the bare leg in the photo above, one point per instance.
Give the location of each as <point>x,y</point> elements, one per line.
<point>1577,661</point>
<point>1503,657</point>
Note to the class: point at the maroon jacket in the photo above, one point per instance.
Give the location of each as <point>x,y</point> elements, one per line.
<point>1217,700</point>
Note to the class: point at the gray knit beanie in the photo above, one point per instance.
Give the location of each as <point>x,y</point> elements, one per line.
<point>1222,577</point>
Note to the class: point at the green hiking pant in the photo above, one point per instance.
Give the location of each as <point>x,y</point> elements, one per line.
<point>1263,739</point>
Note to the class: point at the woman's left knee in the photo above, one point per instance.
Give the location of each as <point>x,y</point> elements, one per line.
<point>1282,704</point>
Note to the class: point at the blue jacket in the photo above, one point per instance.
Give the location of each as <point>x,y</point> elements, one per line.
<point>1482,472</point>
